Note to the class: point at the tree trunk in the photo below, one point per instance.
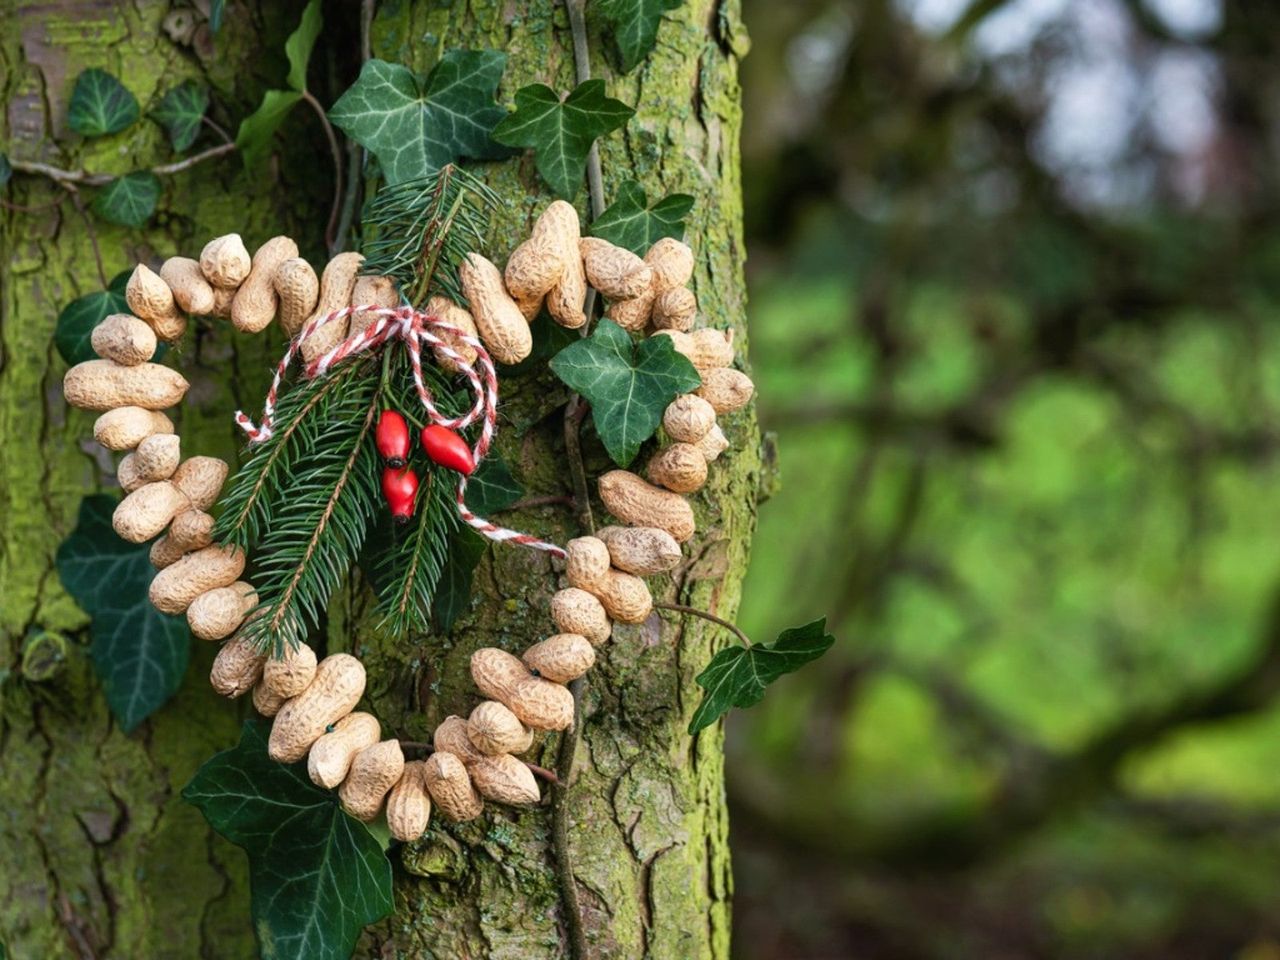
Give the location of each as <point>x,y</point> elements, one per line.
<point>98,854</point>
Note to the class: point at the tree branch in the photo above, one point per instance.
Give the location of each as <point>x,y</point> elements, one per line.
<point>695,612</point>
<point>84,178</point>
<point>335,153</point>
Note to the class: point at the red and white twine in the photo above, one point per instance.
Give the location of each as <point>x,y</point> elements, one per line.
<point>414,328</point>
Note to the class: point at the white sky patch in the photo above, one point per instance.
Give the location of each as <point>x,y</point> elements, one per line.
<point>1189,19</point>
<point>933,16</point>
<point>817,53</point>
<point>1183,113</point>
<point>1092,114</point>
<point>1016,25</point>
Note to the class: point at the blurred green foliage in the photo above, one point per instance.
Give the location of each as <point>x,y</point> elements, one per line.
<point>1029,470</point>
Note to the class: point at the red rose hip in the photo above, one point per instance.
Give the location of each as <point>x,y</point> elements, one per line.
<point>448,449</point>
<point>392,438</point>
<point>400,489</point>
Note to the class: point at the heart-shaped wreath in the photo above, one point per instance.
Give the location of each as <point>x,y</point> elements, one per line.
<point>350,419</point>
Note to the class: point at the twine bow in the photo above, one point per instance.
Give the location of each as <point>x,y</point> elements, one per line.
<point>413,328</point>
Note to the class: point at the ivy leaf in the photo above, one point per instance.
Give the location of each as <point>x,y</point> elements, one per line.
<point>635,26</point>
<point>316,875</point>
<point>453,592</point>
<point>129,200</point>
<point>414,127</point>
<point>737,676</point>
<point>75,323</point>
<point>6,171</point>
<point>100,104</point>
<point>300,44</point>
<point>139,653</point>
<point>253,139</point>
<point>629,385</point>
<point>561,132</point>
<point>492,487</point>
<point>630,222</point>
<point>180,112</point>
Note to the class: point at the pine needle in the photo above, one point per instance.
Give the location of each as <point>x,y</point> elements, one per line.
<point>419,231</point>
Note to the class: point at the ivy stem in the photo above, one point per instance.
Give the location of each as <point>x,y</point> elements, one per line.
<point>695,612</point>
<point>582,67</point>
<point>89,229</point>
<point>574,414</point>
<point>31,208</point>
<point>331,228</point>
<point>218,129</point>
<point>355,152</point>
<point>84,178</point>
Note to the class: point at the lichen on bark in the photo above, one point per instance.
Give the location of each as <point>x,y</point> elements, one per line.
<point>96,847</point>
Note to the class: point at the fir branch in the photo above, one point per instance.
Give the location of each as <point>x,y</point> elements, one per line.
<point>321,516</point>
<point>412,569</point>
<point>247,505</point>
<point>406,570</point>
<point>419,231</point>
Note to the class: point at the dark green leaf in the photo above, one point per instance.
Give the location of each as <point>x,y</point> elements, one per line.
<point>79,317</point>
<point>453,592</point>
<point>630,222</point>
<point>300,44</point>
<point>561,132</point>
<point>629,386</point>
<point>139,653</point>
<point>635,26</point>
<point>100,104</point>
<point>492,487</point>
<point>129,200</point>
<point>180,112</point>
<point>737,676</point>
<point>316,875</point>
<point>6,171</point>
<point>253,139</point>
<point>415,128</point>
<point>216,9</point>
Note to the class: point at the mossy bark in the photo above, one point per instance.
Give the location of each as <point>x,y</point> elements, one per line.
<point>98,855</point>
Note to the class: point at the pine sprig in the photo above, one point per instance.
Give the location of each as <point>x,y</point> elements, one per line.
<point>248,505</point>
<point>407,569</point>
<point>320,515</point>
<point>410,570</point>
<point>419,231</point>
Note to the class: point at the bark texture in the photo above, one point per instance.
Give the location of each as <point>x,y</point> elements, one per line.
<point>98,854</point>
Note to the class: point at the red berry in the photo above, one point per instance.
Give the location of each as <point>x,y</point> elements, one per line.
<point>400,488</point>
<point>448,449</point>
<point>392,438</point>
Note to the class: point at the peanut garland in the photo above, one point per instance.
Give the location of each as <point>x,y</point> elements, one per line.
<point>336,315</point>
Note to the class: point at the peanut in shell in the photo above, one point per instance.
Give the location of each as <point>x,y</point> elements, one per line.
<point>329,758</point>
<point>292,672</point>
<point>504,779</point>
<point>450,787</point>
<point>493,729</point>
<point>560,658</point>
<point>640,504</point>
<point>174,587</point>
<point>576,611</point>
<point>374,771</point>
<point>409,804</point>
<point>337,688</point>
<point>124,339</point>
